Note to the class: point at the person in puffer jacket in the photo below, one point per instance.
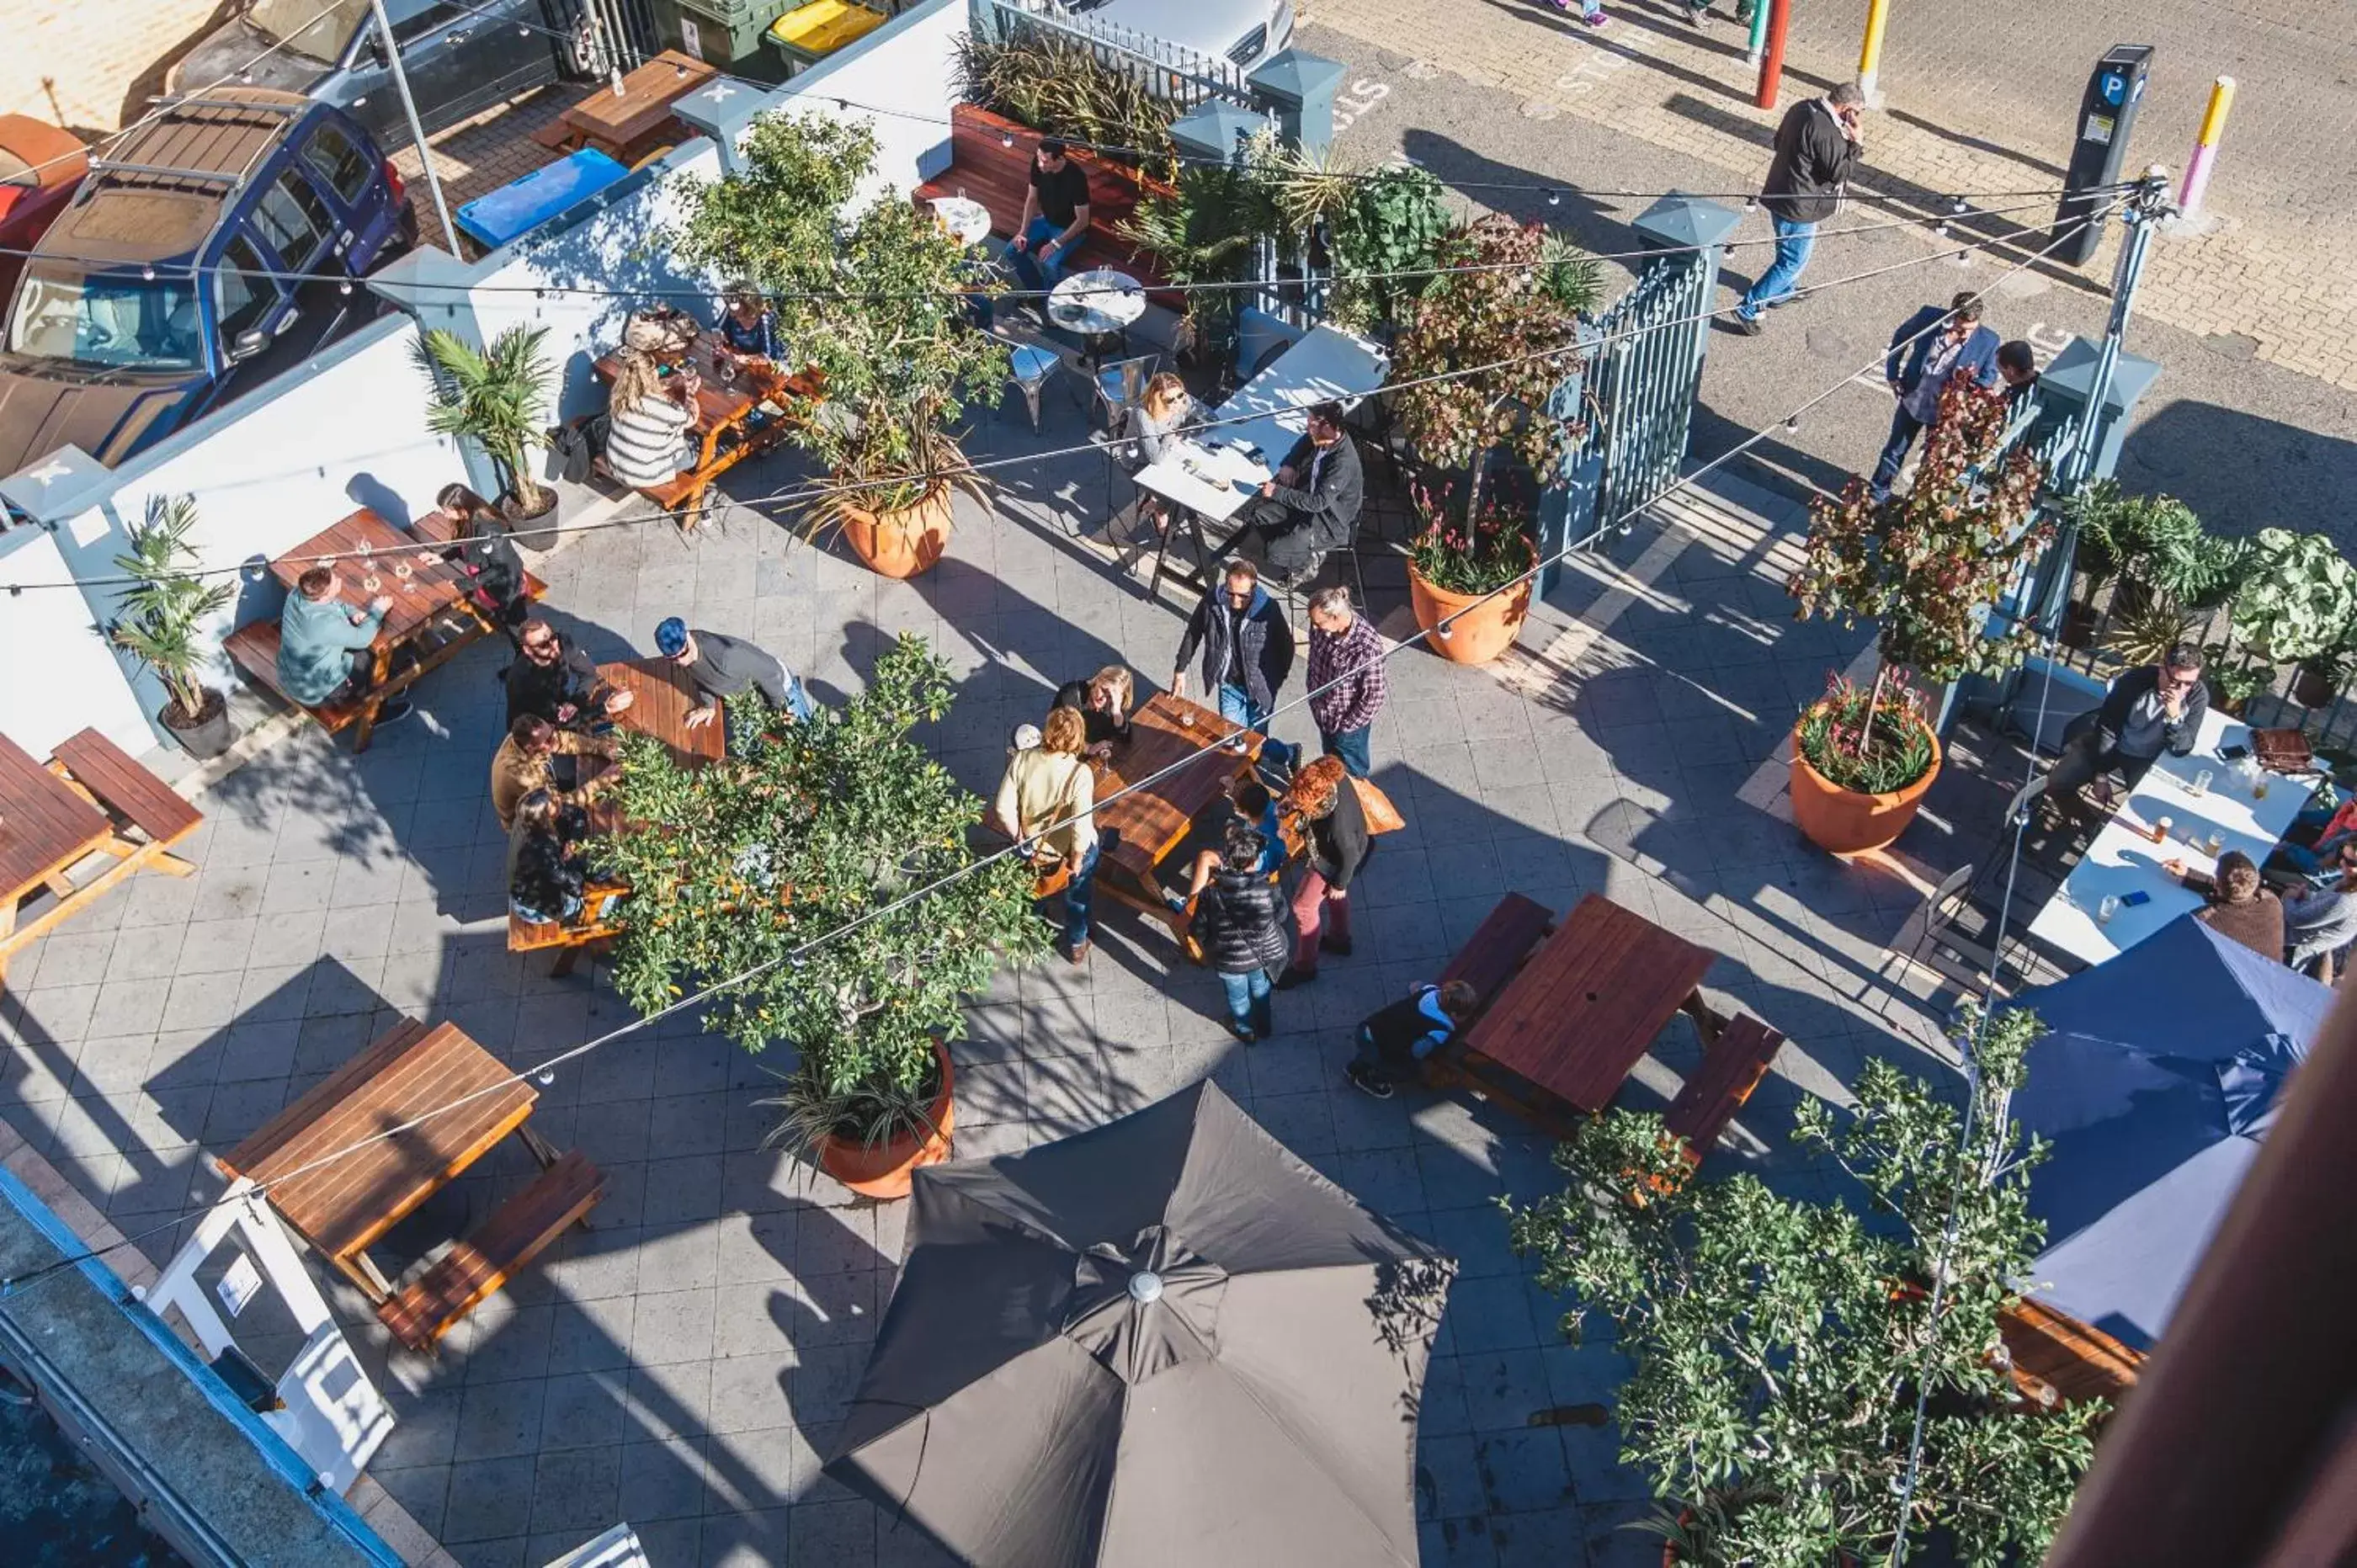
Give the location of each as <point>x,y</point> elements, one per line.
<point>1238,922</point>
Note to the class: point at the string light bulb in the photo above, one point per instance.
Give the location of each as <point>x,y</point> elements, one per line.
<point>1442,631</point>
<point>148,273</point>
<point>1005,138</point>
<point>345,287</point>
<point>1792,425</point>
<point>1555,198</point>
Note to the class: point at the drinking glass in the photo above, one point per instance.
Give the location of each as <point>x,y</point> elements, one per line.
<point>2259,785</point>
<point>2214,842</point>
<point>2106,909</point>
<point>2201,781</point>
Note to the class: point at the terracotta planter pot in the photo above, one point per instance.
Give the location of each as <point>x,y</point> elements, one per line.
<point>1844,821</point>
<point>886,1170</point>
<point>1477,635</point>
<point>902,542</point>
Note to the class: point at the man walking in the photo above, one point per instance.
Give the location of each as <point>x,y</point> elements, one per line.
<point>1247,652</point>
<point>1055,217</point>
<point>1816,147</point>
<point>725,666</point>
<point>1311,506</point>
<point>1698,13</point>
<point>1347,679</point>
<point>1931,348</point>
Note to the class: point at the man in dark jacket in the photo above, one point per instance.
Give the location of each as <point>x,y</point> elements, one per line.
<point>1311,505</point>
<point>722,667</point>
<point>1247,651</point>
<point>1931,348</point>
<point>1816,147</point>
<point>556,680</point>
<point>2146,712</point>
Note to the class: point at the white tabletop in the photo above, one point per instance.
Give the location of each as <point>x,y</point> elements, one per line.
<point>967,221</point>
<point>2125,859</point>
<point>1270,412</point>
<point>1212,482</point>
<point>1099,302</point>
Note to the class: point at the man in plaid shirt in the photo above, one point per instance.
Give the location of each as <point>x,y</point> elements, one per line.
<point>1346,679</point>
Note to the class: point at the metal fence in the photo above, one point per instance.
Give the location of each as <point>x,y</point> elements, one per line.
<point>1170,73</point>
<point>1642,383</point>
<point>624,30</point>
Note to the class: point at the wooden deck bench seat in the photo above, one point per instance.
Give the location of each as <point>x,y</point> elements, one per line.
<point>253,648</point>
<point>1506,936</point>
<point>592,928</point>
<point>1731,1069</point>
<point>984,170</point>
<point>145,801</point>
<point>480,1265</point>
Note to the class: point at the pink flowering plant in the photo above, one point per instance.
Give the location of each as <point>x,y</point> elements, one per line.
<point>1469,545</point>
<point>1833,734</point>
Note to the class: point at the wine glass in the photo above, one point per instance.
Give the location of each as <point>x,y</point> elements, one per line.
<point>2106,909</point>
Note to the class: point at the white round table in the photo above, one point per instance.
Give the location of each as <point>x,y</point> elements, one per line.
<point>967,221</point>
<point>1097,304</point>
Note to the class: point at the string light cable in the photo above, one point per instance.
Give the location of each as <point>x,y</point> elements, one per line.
<point>792,498</point>
<point>12,1285</point>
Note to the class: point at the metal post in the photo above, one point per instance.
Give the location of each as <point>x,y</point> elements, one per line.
<point>1869,53</point>
<point>1772,64</point>
<point>416,128</point>
<point>1758,44</point>
<point>2205,148</point>
<point>2145,209</point>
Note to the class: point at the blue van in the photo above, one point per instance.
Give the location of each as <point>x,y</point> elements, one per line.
<point>156,294</point>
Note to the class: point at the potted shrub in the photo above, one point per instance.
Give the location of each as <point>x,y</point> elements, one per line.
<point>162,617</point>
<point>498,398</point>
<point>869,297</point>
<point>1204,232</point>
<point>2231,679</point>
<point>760,864</point>
<point>1929,565</point>
<point>2298,601</point>
<point>1468,549</point>
<point>1782,1345</point>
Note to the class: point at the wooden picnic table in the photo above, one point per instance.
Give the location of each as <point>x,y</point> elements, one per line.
<point>91,798</point>
<point>660,695</point>
<point>1155,821</point>
<point>331,1171</point>
<point>727,431</point>
<point>1565,1030</point>
<point>631,123</point>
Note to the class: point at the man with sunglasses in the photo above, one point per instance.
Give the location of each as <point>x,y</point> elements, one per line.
<point>556,680</point>
<point>2146,712</point>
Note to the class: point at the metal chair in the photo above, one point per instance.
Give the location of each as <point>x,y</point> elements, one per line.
<point>1120,386</point>
<point>1937,932</point>
<point>1029,366</point>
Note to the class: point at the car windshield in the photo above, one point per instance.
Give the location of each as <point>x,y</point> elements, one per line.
<point>313,27</point>
<point>14,170</point>
<point>113,321</point>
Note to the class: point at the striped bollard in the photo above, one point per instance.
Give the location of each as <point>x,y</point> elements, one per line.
<point>1869,53</point>
<point>2205,148</point>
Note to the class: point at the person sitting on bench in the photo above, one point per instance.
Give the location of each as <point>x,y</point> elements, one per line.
<point>548,875</point>
<point>722,667</point>
<point>1311,506</point>
<point>1055,217</point>
<point>557,680</point>
<point>1395,1037</point>
<point>326,650</point>
<point>487,553</point>
<point>1103,702</point>
<point>527,762</point>
<point>649,419</point>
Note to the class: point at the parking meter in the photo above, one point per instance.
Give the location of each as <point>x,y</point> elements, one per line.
<point>2107,114</point>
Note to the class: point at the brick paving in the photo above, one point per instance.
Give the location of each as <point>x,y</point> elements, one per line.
<point>77,64</point>
<point>1981,99</point>
<point>481,155</point>
<point>685,1364</point>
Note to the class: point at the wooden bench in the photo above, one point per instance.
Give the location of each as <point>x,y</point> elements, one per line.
<point>253,648</point>
<point>1731,1069</point>
<point>593,927</point>
<point>477,1266</point>
<point>1506,936</point>
<point>984,170</point>
<point>108,774</point>
<point>2055,1358</point>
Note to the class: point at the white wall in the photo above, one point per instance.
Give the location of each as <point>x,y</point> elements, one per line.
<point>62,678</point>
<point>910,67</point>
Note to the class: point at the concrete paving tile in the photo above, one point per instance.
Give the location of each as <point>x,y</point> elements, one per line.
<point>673,1325</point>
<point>498,1420</point>
<point>584,1410</point>
<point>489,1500</point>
<point>578,1489</point>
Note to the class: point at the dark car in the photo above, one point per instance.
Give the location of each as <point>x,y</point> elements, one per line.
<point>154,297</point>
<point>39,167</point>
<point>461,58</point>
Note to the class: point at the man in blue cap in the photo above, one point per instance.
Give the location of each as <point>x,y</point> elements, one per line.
<point>726,667</point>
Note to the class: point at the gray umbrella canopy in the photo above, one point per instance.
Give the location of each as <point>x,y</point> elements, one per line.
<point>1163,1341</point>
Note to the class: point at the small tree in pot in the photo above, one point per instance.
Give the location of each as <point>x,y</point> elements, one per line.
<point>786,864</point>
<point>869,297</point>
<point>1930,566</point>
<point>1781,1345</point>
<point>498,398</point>
<point>163,614</point>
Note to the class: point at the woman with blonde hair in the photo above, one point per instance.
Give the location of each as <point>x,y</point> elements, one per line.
<point>1151,435</point>
<point>1045,804</point>
<point>1103,702</point>
<point>648,419</point>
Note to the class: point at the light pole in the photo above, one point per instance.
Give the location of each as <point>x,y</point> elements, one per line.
<point>416,129</point>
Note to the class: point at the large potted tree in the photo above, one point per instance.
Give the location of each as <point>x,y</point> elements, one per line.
<point>867,293</point>
<point>160,622</point>
<point>1467,566</point>
<point>498,397</point>
<point>785,871</point>
<point>1929,566</point>
<point>1783,1348</point>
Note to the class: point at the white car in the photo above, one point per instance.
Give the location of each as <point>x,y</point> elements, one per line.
<point>1244,32</point>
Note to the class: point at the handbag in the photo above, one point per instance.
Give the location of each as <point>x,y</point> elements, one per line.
<point>1382,817</point>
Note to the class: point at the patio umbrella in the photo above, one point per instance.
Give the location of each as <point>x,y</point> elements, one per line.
<point>1167,1340</point>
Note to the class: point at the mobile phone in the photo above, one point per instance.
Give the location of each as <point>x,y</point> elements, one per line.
<point>2234,753</point>
<point>2130,900</point>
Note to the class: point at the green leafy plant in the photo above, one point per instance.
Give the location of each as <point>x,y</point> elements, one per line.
<point>1472,544</point>
<point>1569,275</point>
<point>1061,88</point>
<point>1780,1345</point>
<point>1502,315</point>
<point>1396,222</point>
<point>1930,565</point>
<point>2233,680</point>
<point>2142,633</point>
<point>497,397</point>
<point>869,297</point>
<point>167,606</point>
<point>1832,735</point>
<point>2298,596</point>
<point>755,865</point>
<point>1203,233</point>
<point>2157,541</point>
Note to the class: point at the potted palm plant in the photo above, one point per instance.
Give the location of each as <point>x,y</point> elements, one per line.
<point>868,294</point>
<point>1930,566</point>
<point>497,397</point>
<point>786,870</point>
<point>162,617</point>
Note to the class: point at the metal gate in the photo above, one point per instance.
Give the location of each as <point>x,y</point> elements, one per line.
<point>1641,383</point>
<point>621,32</point>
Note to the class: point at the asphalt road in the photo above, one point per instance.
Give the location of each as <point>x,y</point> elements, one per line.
<point>2246,444</point>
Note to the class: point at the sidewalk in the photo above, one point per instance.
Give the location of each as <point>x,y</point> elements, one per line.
<point>2271,271</point>
<point>78,65</point>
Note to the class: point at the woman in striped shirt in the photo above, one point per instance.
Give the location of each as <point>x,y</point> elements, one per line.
<point>647,443</point>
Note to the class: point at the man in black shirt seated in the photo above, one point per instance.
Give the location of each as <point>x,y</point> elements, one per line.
<point>557,680</point>
<point>1055,217</point>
